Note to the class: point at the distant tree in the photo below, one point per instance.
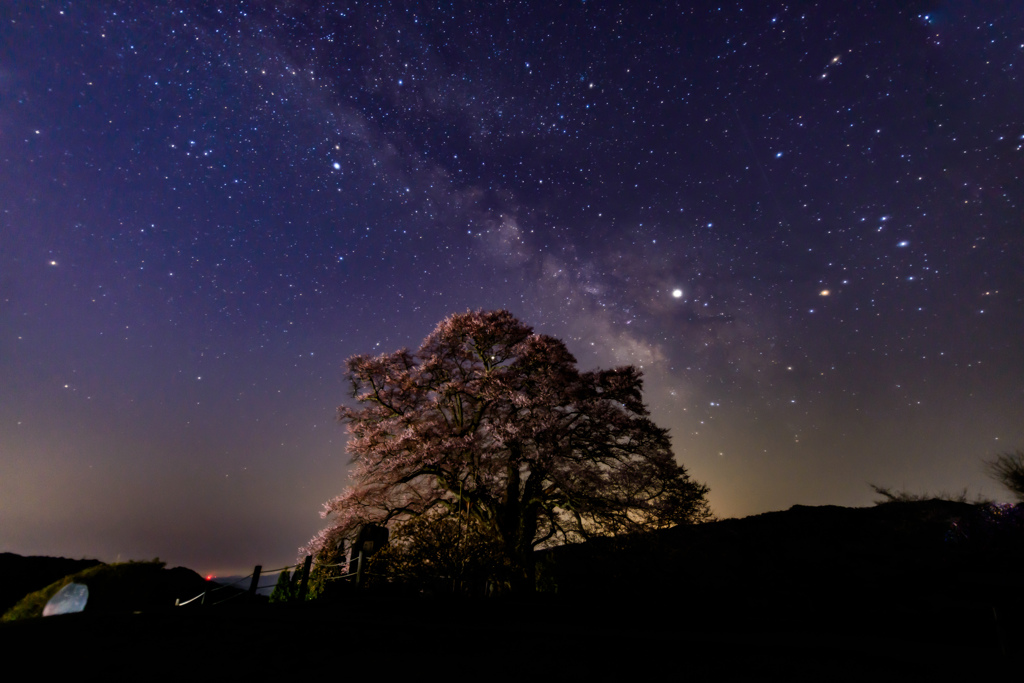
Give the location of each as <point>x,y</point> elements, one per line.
<point>494,423</point>
<point>287,587</point>
<point>1008,470</point>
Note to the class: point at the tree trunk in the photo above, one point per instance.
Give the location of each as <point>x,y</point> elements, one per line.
<point>516,529</point>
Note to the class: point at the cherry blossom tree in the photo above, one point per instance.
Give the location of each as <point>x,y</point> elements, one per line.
<point>493,423</point>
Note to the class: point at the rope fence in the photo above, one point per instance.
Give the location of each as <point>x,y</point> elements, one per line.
<point>205,598</point>
<point>369,538</point>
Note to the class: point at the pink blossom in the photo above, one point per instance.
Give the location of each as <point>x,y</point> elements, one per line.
<point>489,416</point>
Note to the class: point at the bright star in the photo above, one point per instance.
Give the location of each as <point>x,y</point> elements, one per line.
<point>677,293</point>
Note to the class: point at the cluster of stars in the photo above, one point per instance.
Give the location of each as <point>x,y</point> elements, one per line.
<point>801,224</point>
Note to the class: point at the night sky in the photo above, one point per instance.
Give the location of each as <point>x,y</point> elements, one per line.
<point>803,220</point>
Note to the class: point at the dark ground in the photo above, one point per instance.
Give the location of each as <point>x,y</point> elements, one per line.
<point>921,591</point>
<point>484,642</point>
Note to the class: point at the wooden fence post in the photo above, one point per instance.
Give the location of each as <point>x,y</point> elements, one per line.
<point>305,577</point>
<point>254,584</point>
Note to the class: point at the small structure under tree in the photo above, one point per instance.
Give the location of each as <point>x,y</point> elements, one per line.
<point>490,423</point>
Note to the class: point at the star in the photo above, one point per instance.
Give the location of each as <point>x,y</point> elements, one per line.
<point>545,173</point>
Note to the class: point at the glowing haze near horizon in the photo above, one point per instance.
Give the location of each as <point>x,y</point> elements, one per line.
<point>802,220</point>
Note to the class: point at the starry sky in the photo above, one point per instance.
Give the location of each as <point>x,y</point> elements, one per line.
<point>803,220</point>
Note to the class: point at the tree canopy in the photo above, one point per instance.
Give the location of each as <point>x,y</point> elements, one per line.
<point>494,424</point>
<point>1008,470</point>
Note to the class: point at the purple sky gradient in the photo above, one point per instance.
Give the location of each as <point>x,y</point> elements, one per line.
<point>206,207</point>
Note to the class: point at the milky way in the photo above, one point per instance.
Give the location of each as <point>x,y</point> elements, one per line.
<point>803,221</point>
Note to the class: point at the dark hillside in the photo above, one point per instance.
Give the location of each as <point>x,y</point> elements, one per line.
<point>120,588</point>
<point>909,591</point>
<point>20,575</point>
<point>922,570</point>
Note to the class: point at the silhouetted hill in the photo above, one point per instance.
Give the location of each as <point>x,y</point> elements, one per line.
<point>123,587</point>
<point>20,575</point>
<point>908,591</point>
<point>932,566</point>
